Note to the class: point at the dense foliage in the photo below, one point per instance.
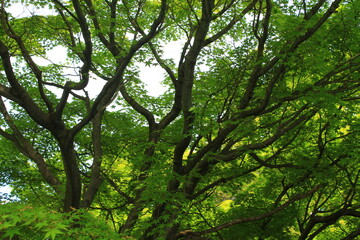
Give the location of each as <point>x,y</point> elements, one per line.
<point>256,135</point>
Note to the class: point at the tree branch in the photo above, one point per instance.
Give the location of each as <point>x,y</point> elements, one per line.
<point>189,233</point>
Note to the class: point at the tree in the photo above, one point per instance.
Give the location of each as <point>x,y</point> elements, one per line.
<point>255,137</point>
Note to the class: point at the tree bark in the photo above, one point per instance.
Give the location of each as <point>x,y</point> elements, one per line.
<point>73,180</point>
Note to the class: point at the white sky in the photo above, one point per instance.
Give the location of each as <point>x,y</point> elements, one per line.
<point>5,189</point>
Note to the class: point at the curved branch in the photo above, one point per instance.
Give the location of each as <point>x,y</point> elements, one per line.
<point>19,93</point>
<point>25,147</point>
<point>113,85</point>
<point>109,44</point>
<point>139,108</point>
<point>57,2</point>
<point>231,24</point>
<point>189,233</point>
<point>26,55</point>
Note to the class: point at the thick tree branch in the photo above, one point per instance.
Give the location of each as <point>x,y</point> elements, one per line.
<point>95,177</point>
<point>109,44</point>
<point>26,55</point>
<point>86,58</point>
<point>112,86</point>
<point>231,24</point>
<point>329,220</point>
<point>26,148</point>
<point>19,93</point>
<point>139,108</point>
<point>188,233</point>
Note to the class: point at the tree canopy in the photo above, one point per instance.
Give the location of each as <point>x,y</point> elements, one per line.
<point>256,135</point>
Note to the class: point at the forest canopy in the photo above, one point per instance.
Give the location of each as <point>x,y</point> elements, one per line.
<point>254,133</point>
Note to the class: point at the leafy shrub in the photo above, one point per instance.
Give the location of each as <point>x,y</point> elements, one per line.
<point>19,221</point>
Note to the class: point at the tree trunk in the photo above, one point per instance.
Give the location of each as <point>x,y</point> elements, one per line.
<point>72,172</point>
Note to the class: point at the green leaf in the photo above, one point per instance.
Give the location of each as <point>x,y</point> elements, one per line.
<point>52,232</point>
